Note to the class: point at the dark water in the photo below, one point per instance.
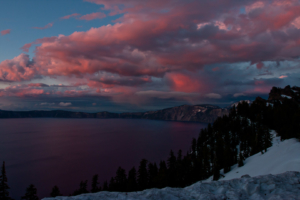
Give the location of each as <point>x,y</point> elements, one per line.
<point>48,152</point>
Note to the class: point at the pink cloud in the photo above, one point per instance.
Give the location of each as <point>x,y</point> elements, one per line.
<point>215,69</point>
<point>26,47</point>
<point>69,16</point>
<point>17,69</point>
<point>5,32</point>
<point>92,16</point>
<point>21,91</point>
<point>260,65</point>
<point>37,85</point>
<point>256,5</point>
<point>144,44</point>
<point>283,76</point>
<point>161,40</point>
<point>181,82</point>
<point>45,27</point>
<point>259,82</point>
<point>296,23</point>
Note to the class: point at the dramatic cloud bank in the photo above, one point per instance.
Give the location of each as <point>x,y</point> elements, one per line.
<point>156,49</point>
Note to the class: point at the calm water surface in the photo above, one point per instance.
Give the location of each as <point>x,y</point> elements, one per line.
<point>48,152</point>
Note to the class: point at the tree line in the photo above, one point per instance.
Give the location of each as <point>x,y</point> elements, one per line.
<point>228,141</point>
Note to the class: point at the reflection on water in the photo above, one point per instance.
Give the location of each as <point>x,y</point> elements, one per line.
<point>48,152</point>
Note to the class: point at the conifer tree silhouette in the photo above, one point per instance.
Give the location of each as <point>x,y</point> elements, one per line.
<point>241,160</point>
<point>55,192</point>
<point>152,171</point>
<point>105,186</point>
<point>143,175</point>
<point>131,183</point>
<point>82,188</point>
<point>4,194</point>
<point>121,180</point>
<point>31,193</point>
<point>172,169</point>
<point>95,184</point>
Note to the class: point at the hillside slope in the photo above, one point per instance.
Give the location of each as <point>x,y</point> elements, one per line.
<point>272,180</point>
<point>281,157</point>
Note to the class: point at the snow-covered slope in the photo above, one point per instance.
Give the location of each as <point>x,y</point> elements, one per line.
<point>282,186</point>
<point>269,179</point>
<point>281,157</point>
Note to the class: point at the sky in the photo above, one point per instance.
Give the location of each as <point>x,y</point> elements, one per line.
<point>139,55</point>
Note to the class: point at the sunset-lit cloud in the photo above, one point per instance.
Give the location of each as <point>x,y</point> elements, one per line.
<point>69,16</point>
<point>65,104</point>
<point>5,32</point>
<point>44,27</point>
<point>92,16</point>
<point>188,51</point>
<point>283,76</point>
<point>239,94</point>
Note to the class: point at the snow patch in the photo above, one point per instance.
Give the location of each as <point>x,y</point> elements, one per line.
<point>285,96</point>
<point>270,104</point>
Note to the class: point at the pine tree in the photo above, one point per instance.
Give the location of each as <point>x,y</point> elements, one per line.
<point>82,188</point>
<point>121,180</point>
<point>95,184</point>
<point>4,194</point>
<point>112,184</point>
<point>241,160</point>
<point>172,170</point>
<point>216,170</point>
<point>206,162</point>
<point>105,186</point>
<point>143,175</point>
<point>55,192</point>
<point>131,183</point>
<point>193,149</point>
<point>179,169</point>
<point>152,171</point>
<point>31,193</point>
<point>162,175</point>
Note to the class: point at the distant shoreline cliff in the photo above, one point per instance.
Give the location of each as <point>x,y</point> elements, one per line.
<point>197,113</point>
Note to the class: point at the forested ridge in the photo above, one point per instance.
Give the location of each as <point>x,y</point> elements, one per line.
<point>228,141</point>
<point>245,131</point>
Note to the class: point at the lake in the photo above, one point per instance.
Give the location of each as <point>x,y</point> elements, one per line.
<point>47,152</point>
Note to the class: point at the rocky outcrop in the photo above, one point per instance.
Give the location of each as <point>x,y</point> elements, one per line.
<point>197,113</point>
<point>279,94</point>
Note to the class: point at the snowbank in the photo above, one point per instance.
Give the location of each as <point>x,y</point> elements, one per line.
<point>281,157</point>
<point>282,186</point>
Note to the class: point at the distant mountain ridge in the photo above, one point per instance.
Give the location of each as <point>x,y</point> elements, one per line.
<point>195,113</point>
<point>204,113</point>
